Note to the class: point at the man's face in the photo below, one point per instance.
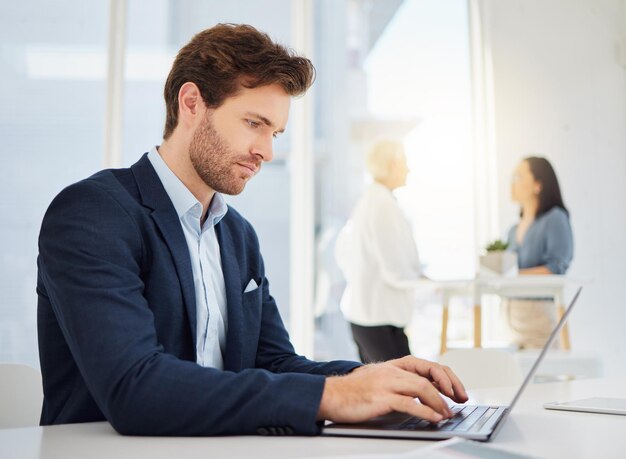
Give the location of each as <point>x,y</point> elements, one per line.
<point>232,142</point>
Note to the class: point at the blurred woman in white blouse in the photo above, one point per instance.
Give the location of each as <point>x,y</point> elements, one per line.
<point>378,257</point>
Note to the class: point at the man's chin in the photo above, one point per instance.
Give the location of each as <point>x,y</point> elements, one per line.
<point>231,187</point>
<point>231,190</point>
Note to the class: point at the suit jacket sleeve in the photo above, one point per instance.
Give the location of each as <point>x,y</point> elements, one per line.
<point>275,351</point>
<point>91,251</point>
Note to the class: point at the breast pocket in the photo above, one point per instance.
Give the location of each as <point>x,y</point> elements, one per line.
<point>252,304</point>
<point>252,297</point>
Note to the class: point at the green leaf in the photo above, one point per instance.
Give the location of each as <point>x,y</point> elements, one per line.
<point>497,246</point>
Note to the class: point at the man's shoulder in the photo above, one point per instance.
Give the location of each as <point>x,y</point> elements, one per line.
<point>92,211</point>
<point>114,182</point>
<point>107,181</point>
<point>107,189</point>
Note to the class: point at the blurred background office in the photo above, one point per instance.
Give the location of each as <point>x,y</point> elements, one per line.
<point>470,86</point>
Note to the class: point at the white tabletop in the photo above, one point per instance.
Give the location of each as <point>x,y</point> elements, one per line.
<point>535,431</point>
<point>526,285</point>
<point>530,429</point>
<point>551,280</point>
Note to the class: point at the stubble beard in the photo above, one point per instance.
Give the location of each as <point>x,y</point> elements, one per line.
<point>213,160</point>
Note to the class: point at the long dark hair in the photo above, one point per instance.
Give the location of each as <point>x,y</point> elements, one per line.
<point>550,193</point>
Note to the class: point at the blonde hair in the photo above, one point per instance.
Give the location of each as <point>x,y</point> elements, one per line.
<point>381,157</point>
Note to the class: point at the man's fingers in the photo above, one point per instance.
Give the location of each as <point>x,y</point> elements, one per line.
<point>459,394</point>
<point>405,404</point>
<point>445,379</point>
<point>442,379</point>
<point>448,383</point>
<point>416,386</point>
<point>377,389</point>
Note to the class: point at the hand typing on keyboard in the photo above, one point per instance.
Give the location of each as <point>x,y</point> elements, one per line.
<point>377,389</point>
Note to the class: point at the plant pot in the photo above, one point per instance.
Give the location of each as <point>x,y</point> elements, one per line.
<point>500,263</point>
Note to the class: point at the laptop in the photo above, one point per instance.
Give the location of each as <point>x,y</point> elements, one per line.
<point>474,422</point>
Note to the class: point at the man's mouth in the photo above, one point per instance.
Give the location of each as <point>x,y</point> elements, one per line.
<point>250,168</point>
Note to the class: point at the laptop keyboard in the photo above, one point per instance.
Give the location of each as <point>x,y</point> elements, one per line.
<point>465,419</point>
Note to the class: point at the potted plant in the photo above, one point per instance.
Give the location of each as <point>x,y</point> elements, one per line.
<point>498,261</point>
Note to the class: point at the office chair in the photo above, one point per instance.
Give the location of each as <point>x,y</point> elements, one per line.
<point>481,368</point>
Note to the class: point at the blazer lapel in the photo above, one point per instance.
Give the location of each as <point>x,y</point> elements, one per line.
<point>154,196</point>
<point>232,280</point>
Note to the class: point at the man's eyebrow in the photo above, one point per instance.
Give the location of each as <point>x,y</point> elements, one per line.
<point>265,120</point>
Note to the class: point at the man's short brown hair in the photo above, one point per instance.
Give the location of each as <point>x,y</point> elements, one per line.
<point>223,58</point>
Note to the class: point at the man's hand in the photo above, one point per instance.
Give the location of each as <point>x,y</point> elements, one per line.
<point>377,389</point>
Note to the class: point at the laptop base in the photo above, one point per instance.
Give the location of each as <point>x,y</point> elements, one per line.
<point>481,422</point>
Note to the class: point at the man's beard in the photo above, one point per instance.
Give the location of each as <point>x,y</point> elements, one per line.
<point>213,160</point>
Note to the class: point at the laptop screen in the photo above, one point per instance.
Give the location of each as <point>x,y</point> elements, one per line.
<point>545,349</point>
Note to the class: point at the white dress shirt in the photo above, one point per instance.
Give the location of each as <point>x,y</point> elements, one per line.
<point>206,264</point>
<point>378,256</point>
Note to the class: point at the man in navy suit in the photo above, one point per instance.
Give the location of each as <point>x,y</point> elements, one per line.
<point>154,311</point>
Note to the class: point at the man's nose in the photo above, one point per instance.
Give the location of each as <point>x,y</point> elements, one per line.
<point>264,148</point>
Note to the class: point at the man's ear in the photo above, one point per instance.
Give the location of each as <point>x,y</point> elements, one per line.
<point>190,104</point>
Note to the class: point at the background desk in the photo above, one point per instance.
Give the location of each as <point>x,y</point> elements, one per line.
<point>530,429</point>
<point>536,286</point>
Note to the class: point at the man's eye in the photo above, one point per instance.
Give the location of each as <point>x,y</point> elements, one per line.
<point>253,124</point>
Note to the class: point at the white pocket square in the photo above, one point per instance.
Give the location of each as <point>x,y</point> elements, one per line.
<point>251,286</point>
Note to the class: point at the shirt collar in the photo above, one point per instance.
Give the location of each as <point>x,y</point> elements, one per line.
<point>182,199</point>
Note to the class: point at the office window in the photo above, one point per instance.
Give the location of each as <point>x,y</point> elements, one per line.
<point>405,76</point>
<point>52,91</point>
<point>419,69</point>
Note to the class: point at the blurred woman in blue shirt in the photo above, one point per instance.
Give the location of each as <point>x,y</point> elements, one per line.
<point>544,244</point>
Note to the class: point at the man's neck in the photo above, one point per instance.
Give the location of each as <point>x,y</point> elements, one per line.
<point>176,156</point>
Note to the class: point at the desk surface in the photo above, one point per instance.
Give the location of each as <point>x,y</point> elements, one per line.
<point>529,285</point>
<point>530,429</point>
<point>535,279</point>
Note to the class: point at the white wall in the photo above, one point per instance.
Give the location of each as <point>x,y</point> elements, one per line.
<point>560,92</point>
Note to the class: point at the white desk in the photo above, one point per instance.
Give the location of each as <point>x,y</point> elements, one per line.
<point>531,286</point>
<point>560,434</point>
<point>530,429</point>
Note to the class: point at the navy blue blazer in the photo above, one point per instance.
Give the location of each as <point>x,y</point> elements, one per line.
<point>117,321</point>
